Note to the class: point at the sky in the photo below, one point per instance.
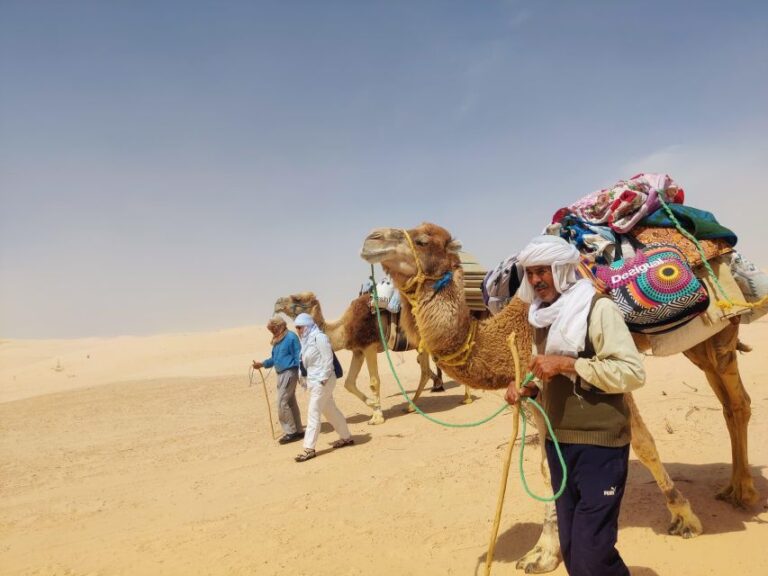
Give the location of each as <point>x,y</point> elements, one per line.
<point>176,166</point>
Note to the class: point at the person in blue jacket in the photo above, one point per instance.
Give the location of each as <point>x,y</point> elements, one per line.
<point>286,355</point>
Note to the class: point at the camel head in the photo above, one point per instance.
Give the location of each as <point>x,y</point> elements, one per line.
<point>436,250</point>
<point>295,304</point>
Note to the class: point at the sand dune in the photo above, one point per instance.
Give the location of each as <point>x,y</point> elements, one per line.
<point>153,456</point>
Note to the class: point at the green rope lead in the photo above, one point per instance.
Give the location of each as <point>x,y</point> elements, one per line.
<point>525,381</point>
<point>696,243</point>
<point>560,490</point>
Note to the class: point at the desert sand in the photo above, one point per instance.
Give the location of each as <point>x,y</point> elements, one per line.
<point>154,455</point>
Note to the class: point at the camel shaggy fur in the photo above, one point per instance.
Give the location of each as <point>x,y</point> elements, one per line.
<point>478,355</point>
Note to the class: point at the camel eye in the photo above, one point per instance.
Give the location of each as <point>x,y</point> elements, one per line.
<point>420,241</point>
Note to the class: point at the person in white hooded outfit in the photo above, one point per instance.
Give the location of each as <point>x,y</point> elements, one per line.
<point>317,357</point>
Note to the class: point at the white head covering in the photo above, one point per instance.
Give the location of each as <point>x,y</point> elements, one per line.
<point>566,316</point>
<point>304,319</point>
<point>307,321</point>
<point>549,251</point>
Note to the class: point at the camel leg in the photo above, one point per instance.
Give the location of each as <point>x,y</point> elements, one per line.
<point>437,380</point>
<point>684,522</point>
<point>371,360</point>
<point>350,382</point>
<point>545,555</point>
<point>426,374</point>
<point>716,356</point>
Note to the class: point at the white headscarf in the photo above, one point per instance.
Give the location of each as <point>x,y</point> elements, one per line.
<point>566,316</point>
<point>307,335</point>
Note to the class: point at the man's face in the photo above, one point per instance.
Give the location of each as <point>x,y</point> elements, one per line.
<point>275,329</point>
<point>540,278</point>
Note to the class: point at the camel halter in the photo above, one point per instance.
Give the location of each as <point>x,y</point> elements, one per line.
<point>411,290</point>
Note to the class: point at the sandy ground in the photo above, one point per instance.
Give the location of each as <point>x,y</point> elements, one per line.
<point>133,456</point>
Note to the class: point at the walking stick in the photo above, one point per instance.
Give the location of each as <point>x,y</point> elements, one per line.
<point>266,398</point>
<point>507,461</point>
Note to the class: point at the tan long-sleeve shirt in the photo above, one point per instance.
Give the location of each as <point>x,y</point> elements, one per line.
<point>617,366</point>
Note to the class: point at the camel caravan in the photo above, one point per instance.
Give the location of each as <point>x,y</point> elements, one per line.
<point>357,331</point>
<point>672,270</point>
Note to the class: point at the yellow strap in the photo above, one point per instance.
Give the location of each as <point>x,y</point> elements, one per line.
<point>460,356</point>
<point>728,304</point>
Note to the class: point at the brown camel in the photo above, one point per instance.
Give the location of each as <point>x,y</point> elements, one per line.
<point>478,355</point>
<point>357,330</point>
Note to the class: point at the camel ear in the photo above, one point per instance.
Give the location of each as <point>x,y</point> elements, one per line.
<point>453,246</point>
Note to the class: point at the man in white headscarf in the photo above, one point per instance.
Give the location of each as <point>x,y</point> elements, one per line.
<point>317,358</point>
<point>586,361</point>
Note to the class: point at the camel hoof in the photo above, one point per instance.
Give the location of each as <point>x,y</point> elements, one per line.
<point>437,388</point>
<point>467,400</point>
<point>537,561</point>
<point>741,497</point>
<point>743,347</point>
<point>409,408</point>
<point>376,419</point>
<point>687,528</point>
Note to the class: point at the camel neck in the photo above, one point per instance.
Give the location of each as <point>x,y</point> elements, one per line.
<point>443,318</point>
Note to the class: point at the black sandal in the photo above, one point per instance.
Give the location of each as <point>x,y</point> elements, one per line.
<point>341,442</point>
<point>308,455</point>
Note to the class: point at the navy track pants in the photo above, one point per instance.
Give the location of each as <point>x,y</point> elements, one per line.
<point>588,510</point>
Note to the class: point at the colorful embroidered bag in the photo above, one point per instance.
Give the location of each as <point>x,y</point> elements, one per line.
<point>656,290</point>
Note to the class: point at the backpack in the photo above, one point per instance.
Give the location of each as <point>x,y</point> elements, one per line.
<point>501,283</point>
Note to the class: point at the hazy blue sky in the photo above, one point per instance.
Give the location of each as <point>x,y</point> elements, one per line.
<point>175,166</point>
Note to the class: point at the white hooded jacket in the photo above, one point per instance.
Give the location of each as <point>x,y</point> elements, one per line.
<point>316,352</point>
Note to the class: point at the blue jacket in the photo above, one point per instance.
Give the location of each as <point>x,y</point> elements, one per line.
<point>285,354</point>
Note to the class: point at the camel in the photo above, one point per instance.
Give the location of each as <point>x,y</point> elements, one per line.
<point>479,357</point>
<point>357,330</point>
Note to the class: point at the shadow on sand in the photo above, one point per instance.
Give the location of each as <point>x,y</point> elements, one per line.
<point>643,506</point>
<point>429,403</point>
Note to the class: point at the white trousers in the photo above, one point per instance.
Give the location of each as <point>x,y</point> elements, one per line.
<point>321,402</point>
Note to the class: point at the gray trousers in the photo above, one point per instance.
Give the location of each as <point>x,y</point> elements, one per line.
<point>287,407</point>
